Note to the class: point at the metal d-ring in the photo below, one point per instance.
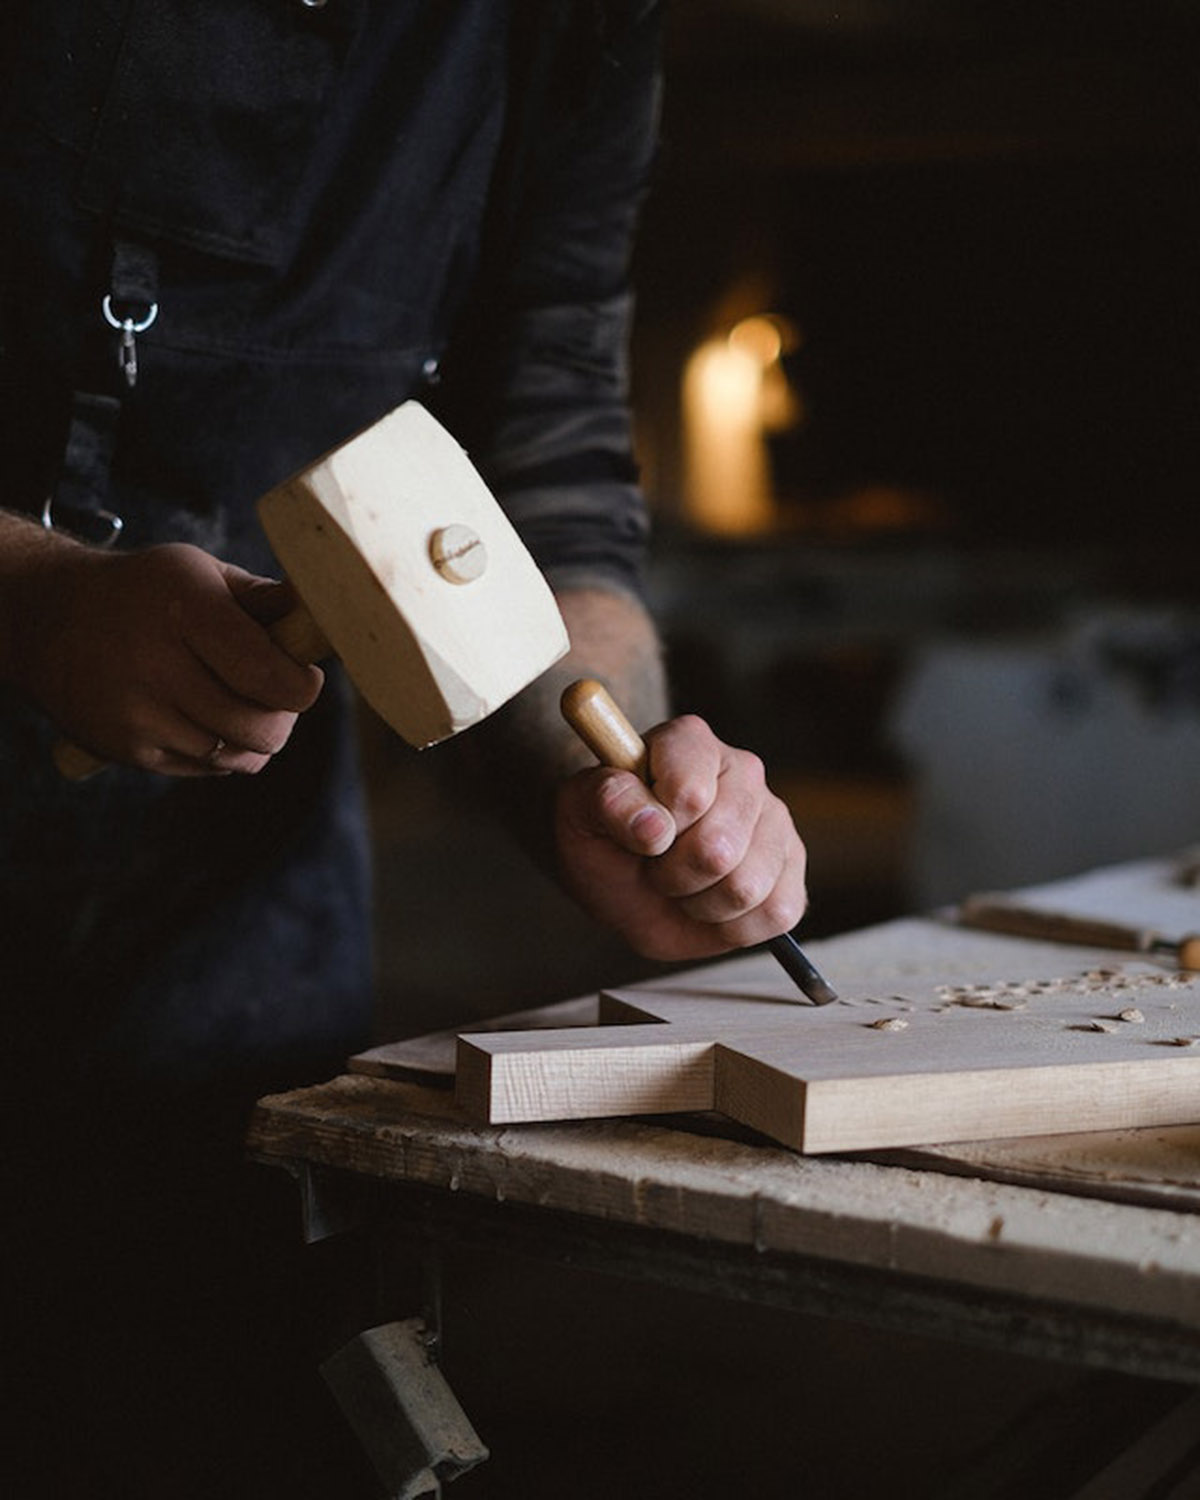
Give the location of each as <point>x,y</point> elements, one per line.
<point>109,517</point>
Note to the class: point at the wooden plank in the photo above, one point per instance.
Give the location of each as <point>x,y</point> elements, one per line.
<point>1138,1165</point>
<point>941,1035</point>
<point>585,1074</point>
<point>1153,1166</point>
<point>1157,893</point>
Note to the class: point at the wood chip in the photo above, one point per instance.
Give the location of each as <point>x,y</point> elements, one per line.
<point>889,1023</point>
<point>1132,1015</point>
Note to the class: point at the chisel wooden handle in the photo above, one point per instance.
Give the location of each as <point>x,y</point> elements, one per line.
<point>589,709</point>
<point>297,633</point>
<point>996,914</point>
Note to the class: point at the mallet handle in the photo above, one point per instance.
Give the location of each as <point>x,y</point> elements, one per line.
<point>297,633</point>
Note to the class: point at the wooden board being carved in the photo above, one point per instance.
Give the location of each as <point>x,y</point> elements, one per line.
<point>941,1035</point>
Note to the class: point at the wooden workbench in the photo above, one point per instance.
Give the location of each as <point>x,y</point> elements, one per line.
<point>1084,1249</point>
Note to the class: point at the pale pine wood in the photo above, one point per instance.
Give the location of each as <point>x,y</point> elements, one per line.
<point>1159,1166</point>
<point>825,1079</point>
<point>356,532</point>
<point>1058,1056</point>
<point>584,1074</point>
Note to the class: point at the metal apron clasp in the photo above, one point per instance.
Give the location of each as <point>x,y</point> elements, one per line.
<point>128,328</point>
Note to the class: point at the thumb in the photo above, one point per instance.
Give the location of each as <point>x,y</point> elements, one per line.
<point>616,805</point>
<point>264,599</point>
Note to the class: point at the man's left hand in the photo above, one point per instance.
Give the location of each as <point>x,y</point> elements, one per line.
<point>703,861</point>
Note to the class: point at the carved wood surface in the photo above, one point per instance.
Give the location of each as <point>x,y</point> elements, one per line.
<point>1031,1070</point>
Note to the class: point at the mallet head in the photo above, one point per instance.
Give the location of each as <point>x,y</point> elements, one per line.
<point>415,575</point>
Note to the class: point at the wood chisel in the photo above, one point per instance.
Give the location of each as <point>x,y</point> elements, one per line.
<point>591,712</point>
<point>997,914</point>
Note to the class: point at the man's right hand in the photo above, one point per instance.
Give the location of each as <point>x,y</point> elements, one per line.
<point>155,658</point>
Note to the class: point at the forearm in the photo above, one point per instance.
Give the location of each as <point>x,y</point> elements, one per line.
<point>29,554</point>
<point>514,761</point>
<point>613,638</point>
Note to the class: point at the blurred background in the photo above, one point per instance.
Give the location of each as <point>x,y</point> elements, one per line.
<point>916,396</point>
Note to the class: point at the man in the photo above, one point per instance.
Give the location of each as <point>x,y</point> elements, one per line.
<point>236,234</point>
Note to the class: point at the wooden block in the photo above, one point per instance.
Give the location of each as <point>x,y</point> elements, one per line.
<point>581,1074</point>
<point>1009,1041</point>
<point>415,576</point>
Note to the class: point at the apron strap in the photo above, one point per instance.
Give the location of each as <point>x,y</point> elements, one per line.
<point>78,503</point>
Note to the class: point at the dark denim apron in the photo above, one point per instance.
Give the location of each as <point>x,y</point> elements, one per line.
<point>288,184</point>
<point>321,200</point>
<point>194,158</point>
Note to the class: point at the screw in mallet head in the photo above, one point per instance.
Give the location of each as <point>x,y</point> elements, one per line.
<point>458,553</point>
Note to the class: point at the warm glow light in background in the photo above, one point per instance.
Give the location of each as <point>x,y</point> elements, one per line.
<point>735,392</point>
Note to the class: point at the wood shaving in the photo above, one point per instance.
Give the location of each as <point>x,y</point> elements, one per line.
<point>1178,1041</point>
<point>989,1002</point>
<point>888,1023</point>
<point>1093,1026</point>
<point>1132,1015</point>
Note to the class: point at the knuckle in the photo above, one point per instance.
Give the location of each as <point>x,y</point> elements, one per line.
<point>748,890</point>
<point>751,768</point>
<point>689,802</point>
<point>275,734</point>
<point>692,724</point>
<point>150,758</point>
<point>714,858</point>
<point>782,909</point>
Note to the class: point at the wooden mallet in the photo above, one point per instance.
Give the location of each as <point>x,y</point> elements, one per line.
<point>409,571</point>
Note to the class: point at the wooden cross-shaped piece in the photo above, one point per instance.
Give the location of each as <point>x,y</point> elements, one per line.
<point>1006,1040</point>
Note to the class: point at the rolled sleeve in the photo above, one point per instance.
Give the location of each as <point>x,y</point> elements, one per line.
<point>539,386</point>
